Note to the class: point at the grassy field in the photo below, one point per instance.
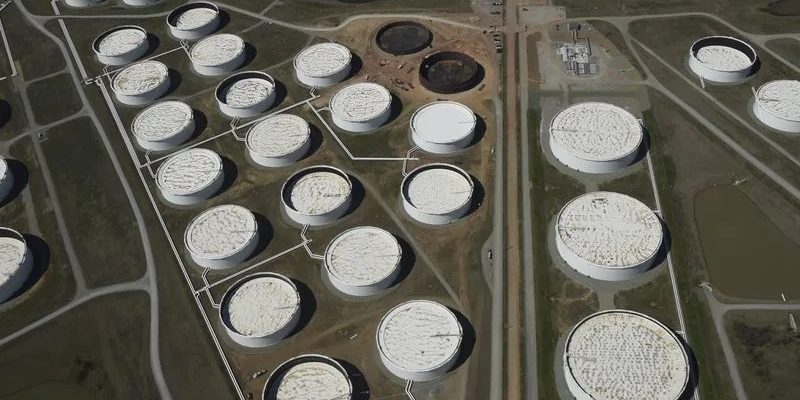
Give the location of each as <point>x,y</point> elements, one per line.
<point>613,34</point>
<point>35,53</point>
<point>787,48</point>
<point>654,298</point>
<point>768,353</point>
<point>53,98</point>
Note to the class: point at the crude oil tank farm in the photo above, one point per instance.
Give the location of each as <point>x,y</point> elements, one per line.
<point>317,195</point>
<point>163,126</point>
<point>595,137</point>
<point>363,261</point>
<point>278,140</point>
<point>437,194</point>
<point>309,376</point>
<point>16,262</point>
<point>222,236</point>
<point>777,105</point>
<point>361,107</point>
<point>448,72</point>
<point>141,83</point>
<point>218,54</point>
<point>608,236</point>
<point>323,64</point>
<point>625,355</point>
<point>190,177</point>
<point>6,179</point>
<point>245,94</point>
<point>419,340</point>
<point>121,45</point>
<point>261,309</point>
<point>722,59</point>
<point>443,127</point>
<point>81,3</point>
<point>193,21</point>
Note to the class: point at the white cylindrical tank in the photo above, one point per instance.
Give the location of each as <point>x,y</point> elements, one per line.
<point>141,83</point>
<point>222,236</point>
<point>361,107</point>
<point>625,355</point>
<point>595,137</point>
<point>16,262</point>
<point>309,377</point>
<point>260,310</point>
<point>218,54</point>
<point>190,177</point>
<point>443,127</point>
<point>608,236</point>
<point>322,65</point>
<point>82,3</point>
<point>419,340</point>
<point>121,45</point>
<point>722,59</point>
<point>141,3</point>
<point>279,140</point>
<point>317,195</point>
<point>777,105</point>
<point>163,126</point>
<point>6,179</point>
<point>437,194</point>
<point>193,21</point>
<point>246,94</point>
<point>363,261</point>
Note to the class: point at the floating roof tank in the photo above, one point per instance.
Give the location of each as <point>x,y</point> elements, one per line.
<point>163,126</point>
<point>323,65</point>
<point>777,105</point>
<point>403,38</point>
<point>437,194</point>
<point>361,107</point>
<point>722,59</point>
<point>608,236</point>
<point>317,195</point>
<point>309,377</point>
<point>222,236</point>
<point>82,3</point>
<point>141,3</point>
<point>121,45</point>
<point>6,179</point>
<point>261,310</point>
<point>141,83</point>
<point>279,140</point>
<point>245,94</point>
<point>596,137</point>
<point>193,21</point>
<point>191,176</point>
<point>625,355</point>
<point>443,127</point>
<point>419,340</point>
<point>218,54</point>
<point>16,262</point>
<point>363,261</point>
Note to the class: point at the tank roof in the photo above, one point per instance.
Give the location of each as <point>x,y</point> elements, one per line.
<point>262,305</point>
<point>780,98</point>
<point>609,229</point>
<point>120,40</point>
<point>189,171</point>
<point>419,335</point>
<point>596,131</point>
<point>319,192</point>
<point>194,18</point>
<point>220,231</point>
<point>438,189</point>
<point>723,58</point>
<point>140,78</point>
<point>278,135</point>
<point>443,122</point>
<point>162,120</point>
<point>247,92</point>
<point>361,102</point>
<point>217,49</point>
<point>315,380</point>
<point>363,255</point>
<point>323,59</point>
<point>623,355</point>
<point>12,254</point>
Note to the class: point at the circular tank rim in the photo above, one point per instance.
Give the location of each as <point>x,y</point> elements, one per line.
<point>163,79</point>
<point>178,103</point>
<point>218,256</point>
<point>767,110</point>
<point>456,104</point>
<point>104,34</point>
<point>14,234</point>
<point>448,54</point>
<point>376,115</point>
<point>288,152</point>
<point>233,78</point>
<point>407,180</point>
<point>213,154</point>
<point>332,73</point>
<point>286,193</point>
<point>224,302</point>
<point>328,250</point>
<point>178,11</point>
<point>213,64</point>
<point>393,24</point>
<point>280,371</point>
<point>695,47</point>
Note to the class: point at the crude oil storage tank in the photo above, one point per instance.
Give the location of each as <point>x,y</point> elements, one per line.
<point>6,179</point>
<point>608,236</point>
<point>222,236</point>
<point>323,65</point>
<point>141,83</point>
<point>82,3</point>
<point>317,195</point>
<point>596,137</point>
<point>403,38</point>
<point>218,54</point>
<point>449,72</point>
<point>361,107</point>
<point>141,3</point>
<point>121,45</point>
<point>363,261</point>
<point>190,177</point>
<point>245,94</point>
<point>193,21</point>
<point>309,377</point>
<point>777,105</point>
<point>260,310</point>
<point>16,262</point>
<point>722,59</point>
<point>163,126</point>
<point>419,340</point>
<point>437,194</point>
<point>279,140</point>
<point>625,355</point>
<point>443,127</point>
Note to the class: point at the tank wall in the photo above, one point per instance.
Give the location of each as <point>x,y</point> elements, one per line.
<point>590,166</point>
<point>572,384</point>
<point>434,219</point>
<point>221,69</point>
<point>81,3</point>
<point>318,220</point>
<point>362,126</point>
<point>18,278</point>
<point>195,198</point>
<point>364,290</point>
<point>419,376</point>
<point>141,2</point>
<point>247,112</point>
<point>715,76</point>
<point>281,161</point>
<point>268,340</point>
<point>594,271</point>
<point>144,98</point>
<point>125,58</point>
<point>773,121</point>
<point>197,33</point>
<point>229,261</point>
<point>6,184</point>
<point>442,148</point>
<point>168,143</point>
<point>325,81</point>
